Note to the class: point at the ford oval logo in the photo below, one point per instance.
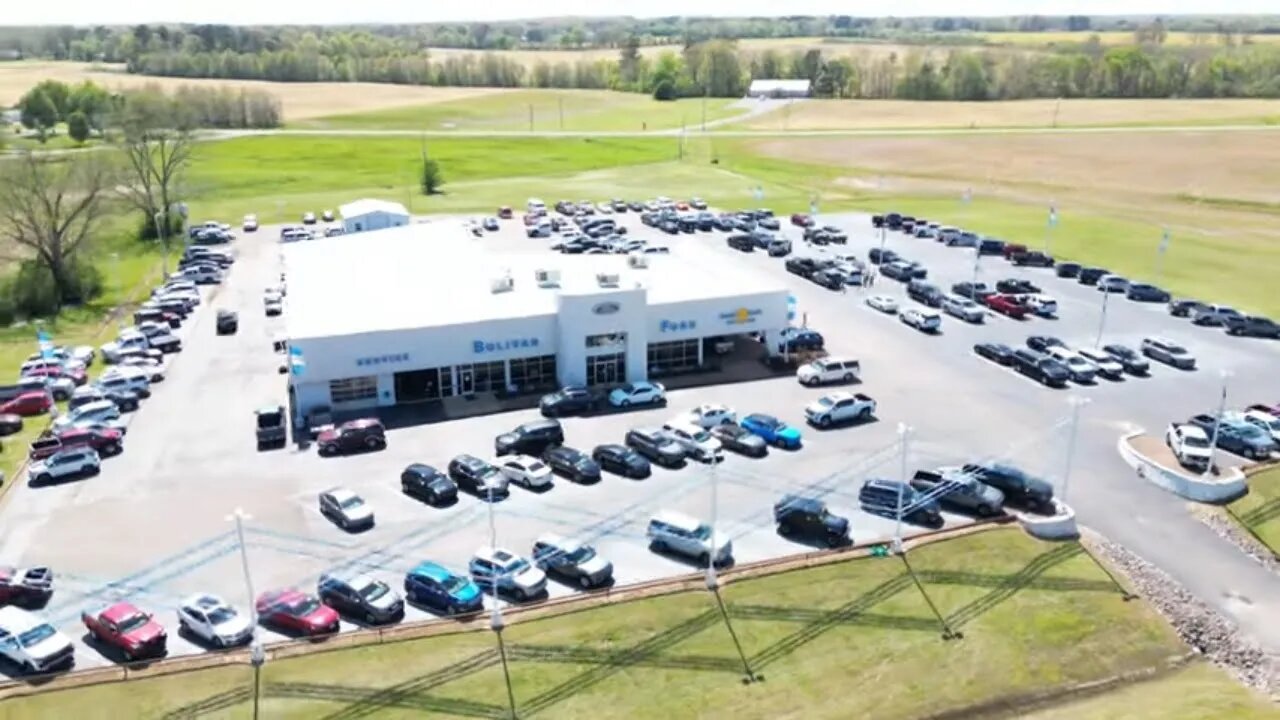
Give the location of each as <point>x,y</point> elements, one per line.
<point>606,308</point>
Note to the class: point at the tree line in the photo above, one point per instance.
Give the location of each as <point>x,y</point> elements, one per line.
<point>86,107</point>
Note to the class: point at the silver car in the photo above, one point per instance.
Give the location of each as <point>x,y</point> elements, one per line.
<point>572,560</point>
<point>679,533</point>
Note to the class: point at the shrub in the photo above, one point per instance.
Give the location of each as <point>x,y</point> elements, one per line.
<point>665,90</point>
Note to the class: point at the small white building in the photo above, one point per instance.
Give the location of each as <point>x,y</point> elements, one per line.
<point>370,214</point>
<point>423,313</point>
<point>779,89</point>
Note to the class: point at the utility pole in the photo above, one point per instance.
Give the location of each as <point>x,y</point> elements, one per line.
<point>1102,318</point>
<point>1161,249</point>
<point>496,622</point>
<point>1217,423</point>
<point>1049,226</point>
<point>904,433</point>
<point>257,654</point>
<point>1077,402</point>
<point>560,104</point>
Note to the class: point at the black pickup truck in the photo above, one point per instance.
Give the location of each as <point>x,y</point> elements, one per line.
<point>271,427</point>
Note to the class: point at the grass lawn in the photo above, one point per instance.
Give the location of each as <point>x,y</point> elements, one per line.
<point>1034,616</point>
<point>569,110</point>
<point>1259,511</point>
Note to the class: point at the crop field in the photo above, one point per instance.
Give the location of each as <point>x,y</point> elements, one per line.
<point>1034,615</point>
<point>537,110</point>
<point>1117,37</point>
<point>300,100</point>
<point>905,114</point>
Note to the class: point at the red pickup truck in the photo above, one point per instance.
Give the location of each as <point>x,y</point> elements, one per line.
<point>133,632</point>
<point>1008,305</point>
<point>107,441</point>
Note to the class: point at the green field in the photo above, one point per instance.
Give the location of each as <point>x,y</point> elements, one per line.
<point>1259,511</point>
<point>1033,615</point>
<point>1194,692</point>
<point>1108,38</point>
<point>539,110</point>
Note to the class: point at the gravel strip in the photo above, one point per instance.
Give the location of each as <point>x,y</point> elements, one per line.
<point>1202,628</point>
<point>1218,521</point>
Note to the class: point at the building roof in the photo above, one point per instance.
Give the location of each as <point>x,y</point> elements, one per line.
<point>766,86</point>
<point>438,274</point>
<point>367,206</point>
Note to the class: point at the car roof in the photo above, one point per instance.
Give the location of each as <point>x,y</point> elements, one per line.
<point>17,621</point>
<point>204,601</point>
<point>677,519</point>
<point>497,554</point>
<point>119,611</point>
<point>340,493</point>
<point>801,502</point>
<point>432,570</point>
<point>839,395</point>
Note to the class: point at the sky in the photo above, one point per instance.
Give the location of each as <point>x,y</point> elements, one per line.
<point>292,12</point>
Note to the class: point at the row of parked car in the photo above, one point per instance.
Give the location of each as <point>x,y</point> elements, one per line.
<point>1050,361</point>
<point>1253,433</point>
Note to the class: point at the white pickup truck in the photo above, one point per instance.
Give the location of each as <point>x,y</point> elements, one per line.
<point>840,407</point>
<point>1190,445</point>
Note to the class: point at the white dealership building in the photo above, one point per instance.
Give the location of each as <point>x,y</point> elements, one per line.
<point>427,312</point>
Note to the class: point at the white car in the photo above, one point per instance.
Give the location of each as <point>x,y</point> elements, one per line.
<point>215,621</point>
<point>1107,366</point>
<point>963,308</point>
<point>839,407</point>
<point>711,415</point>
<point>31,643</point>
<point>128,340</point>
<point>45,364</point>
<point>828,370</point>
<point>1113,283</point>
<point>1190,445</point>
<point>200,274</point>
<point>923,320</point>
<point>61,388</point>
<point>670,531</point>
<point>1082,371</point>
<point>527,471</point>
<point>125,379</point>
<point>638,393</point>
<point>697,442</point>
<point>883,303</point>
<point>250,223</point>
<point>1042,305</point>
<point>1267,422</point>
<point>503,571</point>
<point>70,462</point>
<point>136,362</point>
<point>103,411</point>
<point>308,218</point>
<point>83,354</point>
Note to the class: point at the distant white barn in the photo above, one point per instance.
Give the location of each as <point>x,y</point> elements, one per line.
<point>779,89</point>
<point>369,214</point>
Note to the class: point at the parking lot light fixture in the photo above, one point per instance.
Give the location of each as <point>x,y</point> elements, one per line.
<point>1217,422</point>
<point>1077,402</point>
<point>904,435</point>
<point>257,654</point>
<point>1102,318</point>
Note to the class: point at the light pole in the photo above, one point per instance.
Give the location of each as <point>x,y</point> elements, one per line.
<point>1161,249</point>
<point>904,434</point>
<point>257,655</point>
<point>164,242</point>
<point>1102,317</point>
<point>496,622</point>
<point>1217,422</point>
<point>1049,226</point>
<point>1077,402</point>
<point>977,257</point>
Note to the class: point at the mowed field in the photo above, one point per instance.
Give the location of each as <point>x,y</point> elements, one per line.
<point>537,110</point>
<point>900,114</point>
<point>1117,37</point>
<point>300,100</point>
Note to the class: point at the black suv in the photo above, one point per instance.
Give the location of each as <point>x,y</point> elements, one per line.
<point>741,242</point>
<point>809,517</point>
<point>572,463</point>
<point>569,400</point>
<point>428,484</point>
<point>884,497</point>
<point>1018,487</point>
<point>531,438</point>
<point>1032,258</point>
<point>803,266</point>
<point>1091,275</point>
<point>923,292</point>
<point>1041,368</point>
<point>1252,326</point>
<point>1016,286</point>
<point>878,256</point>
<point>654,445</point>
<point>974,291</point>
<point>359,596</point>
<point>477,476</point>
<point>365,434</point>
<point>1067,270</point>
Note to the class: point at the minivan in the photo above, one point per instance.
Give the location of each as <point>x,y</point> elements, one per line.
<point>676,532</point>
<point>882,497</point>
<point>536,207</point>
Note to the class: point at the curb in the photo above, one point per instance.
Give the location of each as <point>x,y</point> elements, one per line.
<point>1230,486</point>
<point>1059,526</point>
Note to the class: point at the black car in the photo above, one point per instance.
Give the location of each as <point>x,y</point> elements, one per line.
<point>1032,258</point>
<point>1091,275</point>
<point>991,247</point>
<point>572,463</point>
<point>1142,292</point>
<point>779,248</point>
<point>926,293</point>
<point>653,444</point>
<point>829,279</point>
<point>878,256</point>
<point>477,476</point>
<point>769,222</point>
<point>1041,368</point>
<point>733,436</point>
<point>1042,343</point>
<point>635,206</point>
<point>1018,487</point>
<point>670,227</point>
<point>1067,270</point>
<point>1252,326</point>
<point>899,270</point>
<point>727,223</point>
<point>530,438</point>
<point>802,266</point>
<point>227,322</point>
<point>360,596</point>
<point>887,497</point>
<point>1186,308</point>
<point>741,242</point>
<point>621,460</point>
<point>428,484</point>
<point>351,436</point>
<point>1134,363</point>
<point>1015,286</point>
<point>809,517</point>
<point>974,291</point>
<point>998,353</point>
<point>569,400</point>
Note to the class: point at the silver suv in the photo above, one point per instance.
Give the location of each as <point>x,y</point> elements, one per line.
<point>72,462</point>
<point>675,532</point>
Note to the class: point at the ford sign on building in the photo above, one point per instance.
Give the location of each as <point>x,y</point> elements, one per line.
<point>426,313</point>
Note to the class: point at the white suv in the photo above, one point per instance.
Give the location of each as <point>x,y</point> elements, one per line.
<point>697,442</point>
<point>676,532</point>
<point>71,462</point>
<point>828,370</point>
<point>215,621</point>
<point>31,643</point>
<point>98,411</point>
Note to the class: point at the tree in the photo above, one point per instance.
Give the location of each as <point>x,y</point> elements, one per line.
<point>94,101</point>
<point>52,207</point>
<point>78,127</point>
<point>38,113</point>
<point>59,94</point>
<point>155,139</point>
<point>432,177</point>
<point>629,60</point>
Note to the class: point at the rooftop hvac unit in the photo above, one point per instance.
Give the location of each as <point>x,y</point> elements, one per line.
<point>636,260</point>
<point>547,278</point>
<point>502,284</point>
<point>609,280</point>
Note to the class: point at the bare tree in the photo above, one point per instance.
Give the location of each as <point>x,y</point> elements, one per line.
<point>155,139</point>
<point>50,207</point>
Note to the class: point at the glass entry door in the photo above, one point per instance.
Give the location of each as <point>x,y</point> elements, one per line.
<point>606,369</point>
<point>466,381</point>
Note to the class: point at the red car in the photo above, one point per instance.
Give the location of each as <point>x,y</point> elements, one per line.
<point>801,220</point>
<point>134,633</point>
<point>682,206</point>
<point>296,611</point>
<point>1008,305</point>
<point>27,587</point>
<point>1011,249</point>
<point>531,219</point>
<point>505,213</point>
<point>107,441</point>
<point>79,377</point>
<point>27,404</point>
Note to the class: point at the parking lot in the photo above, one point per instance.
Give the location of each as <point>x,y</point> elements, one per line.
<point>154,526</point>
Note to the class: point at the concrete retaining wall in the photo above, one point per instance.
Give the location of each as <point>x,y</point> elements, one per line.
<point>1219,489</point>
<point>1060,526</point>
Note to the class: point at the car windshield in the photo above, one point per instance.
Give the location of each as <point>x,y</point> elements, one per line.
<point>453,583</point>
<point>516,565</point>
<point>1175,349</point>
<point>266,420</point>
<point>581,554</point>
<point>703,532</point>
<point>36,635</point>
<point>1195,441</point>
<point>351,503</point>
<point>1252,432</point>
<point>374,590</point>
<point>303,607</point>
<point>220,615</point>
<point>536,466</point>
<point>628,388</point>
<point>133,622</point>
<point>825,402</point>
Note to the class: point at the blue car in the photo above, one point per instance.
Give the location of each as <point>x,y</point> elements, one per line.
<point>772,430</point>
<point>442,590</point>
